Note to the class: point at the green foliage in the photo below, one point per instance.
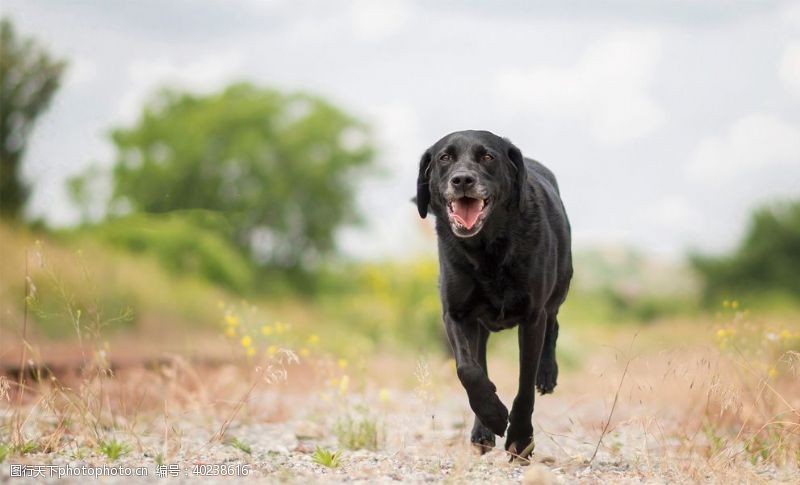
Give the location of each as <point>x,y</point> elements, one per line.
<point>189,243</point>
<point>355,433</point>
<point>27,448</point>
<point>766,261</point>
<point>241,446</point>
<point>643,308</point>
<point>327,458</point>
<point>24,448</point>
<point>281,168</point>
<point>29,77</point>
<point>113,449</point>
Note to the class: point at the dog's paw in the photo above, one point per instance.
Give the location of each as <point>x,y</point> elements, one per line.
<point>482,438</point>
<point>483,399</point>
<point>491,411</point>
<point>519,442</point>
<point>547,376</point>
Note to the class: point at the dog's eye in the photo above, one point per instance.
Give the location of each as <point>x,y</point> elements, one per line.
<point>487,158</point>
<point>445,157</point>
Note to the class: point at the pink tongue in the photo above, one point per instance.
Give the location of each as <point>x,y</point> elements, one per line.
<point>466,211</point>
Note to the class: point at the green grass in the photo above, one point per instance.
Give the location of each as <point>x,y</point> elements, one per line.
<point>26,448</point>
<point>357,433</point>
<point>5,450</point>
<point>113,449</point>
<point>327,458</point>
<point>241,445</point>
<point>67,275</point>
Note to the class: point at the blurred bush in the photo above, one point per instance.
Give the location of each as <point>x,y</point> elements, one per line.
<point>187,243</point>
<point>280,168</point>
<point>621,285</point>
<point>766,262</point>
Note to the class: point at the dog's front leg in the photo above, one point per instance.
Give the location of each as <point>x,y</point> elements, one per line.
<point>464,335</point>
<point>481,436</point>
<point>531,341</point>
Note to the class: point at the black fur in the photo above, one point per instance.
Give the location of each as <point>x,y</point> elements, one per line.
<point>512,269</point>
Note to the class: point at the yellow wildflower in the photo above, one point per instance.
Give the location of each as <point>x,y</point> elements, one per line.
<point>342,363</point>
<point>232,320</point>
<point>250,351</point>
<point>280,327</point>
<point>343,383</point>
<point>230,332</point>
<point>772,373</point>
<point>313,339</point>
<point>266,330</point>
<point>304,352</point>
<point>734,304</point>
<point>247,341</point>
<point>272,350</point>
<point>384,395</point>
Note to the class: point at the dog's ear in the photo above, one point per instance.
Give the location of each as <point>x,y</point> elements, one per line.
<point>521,181</point>
<point>423,197</point>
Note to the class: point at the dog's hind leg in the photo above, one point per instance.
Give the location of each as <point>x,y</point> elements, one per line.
<point>481,436</point>
<point>548,367</point>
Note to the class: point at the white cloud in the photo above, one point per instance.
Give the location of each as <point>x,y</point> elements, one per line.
<point>789,67</point>
<point>263,5</point>
<point>790,15</point>
<point>203,75</point>
<point>374,20</point>
<point>395,227</point>
<point>607,88</point>
<point>80,72</point>
<point>672,212</point>
<point>753,142</point>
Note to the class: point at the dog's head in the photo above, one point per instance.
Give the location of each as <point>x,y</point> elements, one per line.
<point>469,177</point>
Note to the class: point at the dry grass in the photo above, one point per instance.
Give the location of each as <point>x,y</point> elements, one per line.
<point>722,406</point>
<point>679,415</point>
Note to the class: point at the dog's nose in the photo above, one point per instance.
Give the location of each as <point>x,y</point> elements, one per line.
<point>462,180</point>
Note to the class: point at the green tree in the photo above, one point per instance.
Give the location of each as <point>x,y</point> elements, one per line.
<point>29,77</point>
<point>767,259</point>
<point>281,168</point>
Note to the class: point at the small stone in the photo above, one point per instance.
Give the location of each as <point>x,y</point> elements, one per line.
<point>546,459</point>
<point>306,430</point>
<point>538,474</point>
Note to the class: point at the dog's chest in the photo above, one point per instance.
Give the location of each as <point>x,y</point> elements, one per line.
<point>507,301</point>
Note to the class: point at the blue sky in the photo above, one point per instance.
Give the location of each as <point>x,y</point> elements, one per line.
<point>666,122</point>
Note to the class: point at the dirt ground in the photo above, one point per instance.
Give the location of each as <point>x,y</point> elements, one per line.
<point>210,422</point>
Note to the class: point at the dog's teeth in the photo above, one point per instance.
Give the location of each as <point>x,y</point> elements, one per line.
<point>483,203</point>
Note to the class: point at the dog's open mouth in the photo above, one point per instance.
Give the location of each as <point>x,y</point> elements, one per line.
<point>467,214</point>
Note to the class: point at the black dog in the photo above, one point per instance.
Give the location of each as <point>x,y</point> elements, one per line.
<point>505,260</point>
